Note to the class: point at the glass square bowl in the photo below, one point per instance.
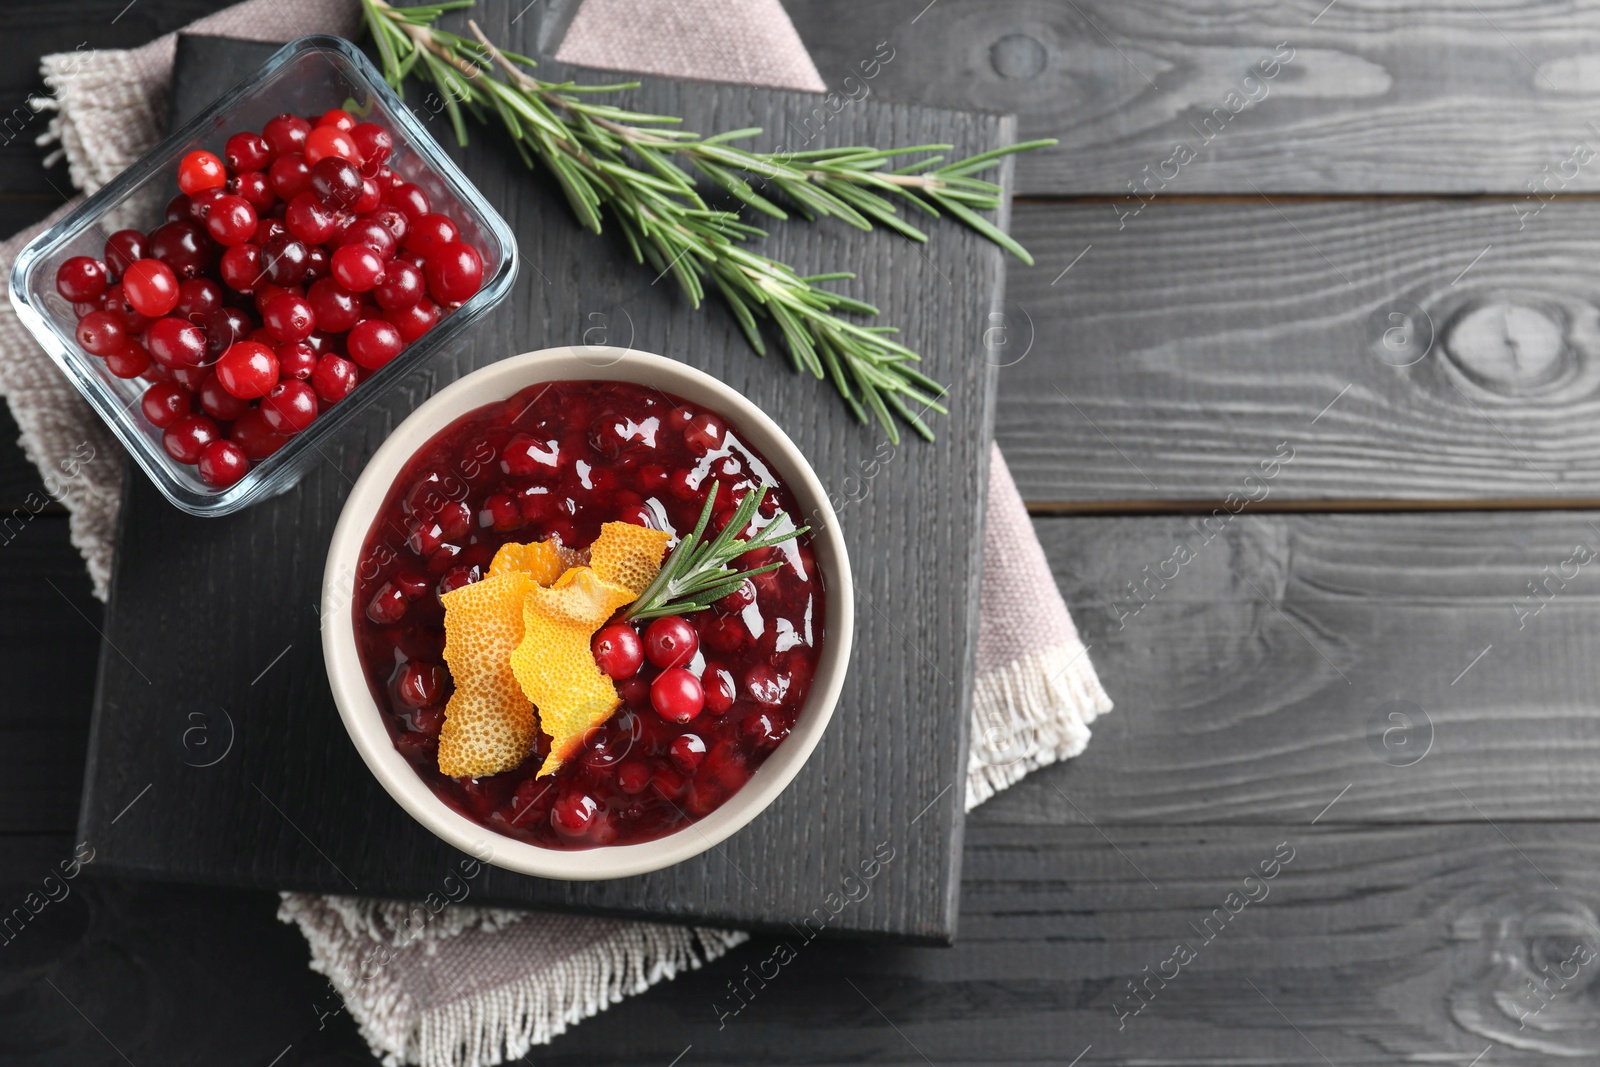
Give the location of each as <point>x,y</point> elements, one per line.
<point>306,77</point>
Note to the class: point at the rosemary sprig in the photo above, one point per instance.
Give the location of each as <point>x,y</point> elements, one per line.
<point>696,574</point>
<point>628,163</point>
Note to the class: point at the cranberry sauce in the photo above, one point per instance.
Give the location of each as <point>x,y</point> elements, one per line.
<point>556,461</point>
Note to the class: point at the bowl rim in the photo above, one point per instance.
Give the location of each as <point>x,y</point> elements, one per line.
<point>363,719</point>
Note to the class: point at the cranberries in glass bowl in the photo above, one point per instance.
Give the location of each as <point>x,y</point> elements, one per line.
<point>242,290</point>
<point>720,708</point>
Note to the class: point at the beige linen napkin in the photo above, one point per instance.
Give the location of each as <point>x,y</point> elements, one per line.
<point>434,982</point>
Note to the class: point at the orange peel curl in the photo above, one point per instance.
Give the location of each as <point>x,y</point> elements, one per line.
<point>489,724</point>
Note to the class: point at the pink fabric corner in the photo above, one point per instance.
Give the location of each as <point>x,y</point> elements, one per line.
<point>751,42</point>
<point>1022,610</point>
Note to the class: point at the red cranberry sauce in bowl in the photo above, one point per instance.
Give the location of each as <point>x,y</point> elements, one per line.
<point>556,461</point>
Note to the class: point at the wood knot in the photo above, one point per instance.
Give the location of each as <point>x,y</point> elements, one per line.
<point>1529,975</point>
<point>1511,346</point>
<point>1016,55</point>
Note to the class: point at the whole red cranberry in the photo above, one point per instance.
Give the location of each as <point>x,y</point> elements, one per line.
<point>183,246</point>
<point>429,232</point>
<point>500,512</point>
<point>336,183</point>
<point>687,750</point>
<point>373,343</point>
<point>410,199</point>
<point>334,377</point>
<point>129,361</point>
<point>326,141</point>
<point>454,271</point>
<point>402,286</point>
<point>704,433</point>
<point>670,641</point>
<point>166,402</point>
<point>394,220</point>
<point>374,143</point>
<point>222,463</point>
<point>310,219</point>
<point>255,190</point>
<point>247,151</point>
<point>286,133</point>
<point>763,729</point>
<point>336,308</point>
<point>122,248</point>
<point>289,175</point>
<point>289,407</point>
<point>296,361</point>
<point>633,777</point>
<point>725,634</point>
<point>420,684</point>
<point>718,686</point>
<point>289,317</point>
<point>252,434</point>
<point>231,221</point>
<point>218,402</point>
<point>356,267</point>
<point>188,436</point>
<point>387,606</point>
<point>101,333</point>
<point>764,685</point>
<point>371,233</point>
<point>241,268</point>
<point>740,598</point>
<point>225,327</point>
<point>573,814</point>
<point>416,320</point>
<point>198,300</point>
<point>175,342</point>
<point>285,259</point>
<point>618,651</point>
<point>151,287</point>
<point>676,695</point>
<point>248,369</point>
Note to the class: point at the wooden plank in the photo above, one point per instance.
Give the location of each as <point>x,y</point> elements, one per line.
<point>49,642</point>
<point>111,973</point>
<point>1258,670</point>
<point>895,747</point>
<point>1367,947</point>
<point>1363,98</point>
<point>20,484</point>
<point>1179,352</point>
<point>28,31</point>
<point>1375,944</point>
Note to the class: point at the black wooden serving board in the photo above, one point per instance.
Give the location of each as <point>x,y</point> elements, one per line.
<point>217,754</point>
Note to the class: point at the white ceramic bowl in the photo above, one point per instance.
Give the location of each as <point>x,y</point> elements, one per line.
<point>363,719</point>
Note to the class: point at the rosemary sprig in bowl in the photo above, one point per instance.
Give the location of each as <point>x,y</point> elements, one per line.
<point>632,165</point>
<point>696,574</point>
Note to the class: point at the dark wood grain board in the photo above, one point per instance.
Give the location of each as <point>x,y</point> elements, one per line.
<point>1182,348</point>
<point>1374,931</point>
<point>1454,97</point>
<point>292,807</point>
<point>1357,952</point>
<point>31,191</point>
<point>48,637</point>
<point>1369,941</point>
<point>19,479</point>
<point>1257,667</point>
<point>109,972</point>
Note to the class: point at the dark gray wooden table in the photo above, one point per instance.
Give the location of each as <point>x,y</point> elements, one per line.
<point>1305,410</point>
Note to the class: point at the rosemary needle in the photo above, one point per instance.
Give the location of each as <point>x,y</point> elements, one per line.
<point>632,166</point>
